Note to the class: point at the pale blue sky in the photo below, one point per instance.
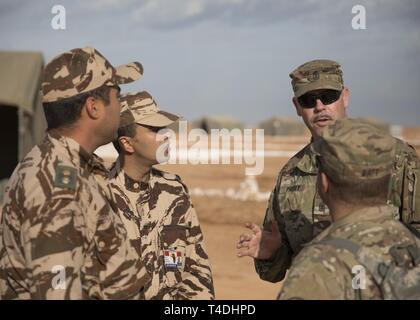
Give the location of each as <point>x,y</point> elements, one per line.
<point>233,57</point>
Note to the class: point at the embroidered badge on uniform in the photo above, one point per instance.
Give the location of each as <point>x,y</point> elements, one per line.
<point>65,177</point>
<point>173,259</point>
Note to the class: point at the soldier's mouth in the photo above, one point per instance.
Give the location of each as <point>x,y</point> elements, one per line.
<point>323,121</point>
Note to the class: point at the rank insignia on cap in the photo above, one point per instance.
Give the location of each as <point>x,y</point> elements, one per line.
<point>65,177</point>
<point>174,259</point>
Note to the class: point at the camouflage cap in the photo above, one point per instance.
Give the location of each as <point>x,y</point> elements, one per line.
<point>316,74</point>
<point>353,150</point>
<point>141,108</point>
<point>81,70</point>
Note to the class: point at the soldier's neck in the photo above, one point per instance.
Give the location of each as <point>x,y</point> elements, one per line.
<point>339,210</point>
<point>134,168</point>
<point>85,141</point>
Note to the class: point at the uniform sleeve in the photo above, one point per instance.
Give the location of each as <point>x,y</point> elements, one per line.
<point>55,249</point>
<point>13,273</point>
<point>315,277</point>
<point>42,248</point>
<point>274,270</point>
<point>197,281</point>
<point>405,185</point>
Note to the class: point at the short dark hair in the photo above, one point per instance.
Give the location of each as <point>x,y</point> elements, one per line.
<point>126,131</point>
<point>66,112</point>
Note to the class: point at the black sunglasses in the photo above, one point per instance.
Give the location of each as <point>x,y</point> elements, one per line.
<point>327,96</point>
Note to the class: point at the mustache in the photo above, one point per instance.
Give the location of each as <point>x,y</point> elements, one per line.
<point>322,116</point>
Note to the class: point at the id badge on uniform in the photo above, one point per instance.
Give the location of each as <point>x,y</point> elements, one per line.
<point>174,259</point>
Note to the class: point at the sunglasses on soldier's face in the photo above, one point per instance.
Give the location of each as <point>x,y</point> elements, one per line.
<point>327,96</point>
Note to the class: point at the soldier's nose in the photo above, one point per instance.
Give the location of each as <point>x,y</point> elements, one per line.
<point>319,105</point>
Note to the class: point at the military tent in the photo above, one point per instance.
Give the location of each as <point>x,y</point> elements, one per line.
<point>217,122</point>
<point>277,126</point>
<point>21,116</point>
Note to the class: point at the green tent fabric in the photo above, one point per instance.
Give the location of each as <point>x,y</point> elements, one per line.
<point>19,78</point>
<point>22,121</point>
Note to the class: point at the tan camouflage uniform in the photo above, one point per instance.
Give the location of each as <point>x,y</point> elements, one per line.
<point>160,218</point>
<point>294,202</point>
<point>162,224</point>
<point>350,152</point>
<point>55,215</point>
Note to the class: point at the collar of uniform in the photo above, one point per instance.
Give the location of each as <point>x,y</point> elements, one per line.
<point>364,214</point>
<point>307,163</point>
<point>79,155</point>
<point>136,186</point>
<point>98,166</point>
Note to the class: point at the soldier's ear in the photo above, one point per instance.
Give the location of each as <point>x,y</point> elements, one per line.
<point>296,104</point>
<point>92,107</point>
<point>345,94</point>
<point>125,144</point>
<point>323,183</point>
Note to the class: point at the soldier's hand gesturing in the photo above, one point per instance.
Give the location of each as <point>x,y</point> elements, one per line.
<point>261,244</point>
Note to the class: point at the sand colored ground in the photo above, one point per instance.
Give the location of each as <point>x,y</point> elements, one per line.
<point>222,220</point>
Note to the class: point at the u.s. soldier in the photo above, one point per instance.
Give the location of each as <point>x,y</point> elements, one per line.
<point>155,205</point>
<point>60,238</point>
<point>296,213</point>
<point>366,253</point>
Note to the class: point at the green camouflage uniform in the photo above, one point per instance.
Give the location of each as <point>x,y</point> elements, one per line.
<point>350,152</point>
<point>56,216</point>
<point>294,202</point>
<point>160,218</point>
<point>323,271</point>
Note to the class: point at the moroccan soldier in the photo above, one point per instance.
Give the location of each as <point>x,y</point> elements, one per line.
<point>365,253</point>
<point>60,236</point>
<point>155,206</point>
<point>296,213</point>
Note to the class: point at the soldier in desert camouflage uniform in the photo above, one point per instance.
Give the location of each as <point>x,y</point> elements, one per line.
<point>366,253</point>
<point>60,238</point>
<point>155,206</point>
<point>296,213</point>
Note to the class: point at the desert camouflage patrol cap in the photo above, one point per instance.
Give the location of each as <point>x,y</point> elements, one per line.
<point>81,70</point>
<point>316,74</point>
<point>141,108</point>
<point>353,150</point>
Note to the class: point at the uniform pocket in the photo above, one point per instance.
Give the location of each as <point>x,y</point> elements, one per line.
<point>173,240</point>
<point>298,219</point>
<point>412,193</point>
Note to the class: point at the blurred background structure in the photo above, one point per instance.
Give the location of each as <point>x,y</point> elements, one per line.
<point>22,122</point>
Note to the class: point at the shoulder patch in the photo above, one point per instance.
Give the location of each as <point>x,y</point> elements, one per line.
<point>65,177</point>
<point>292,163</point>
